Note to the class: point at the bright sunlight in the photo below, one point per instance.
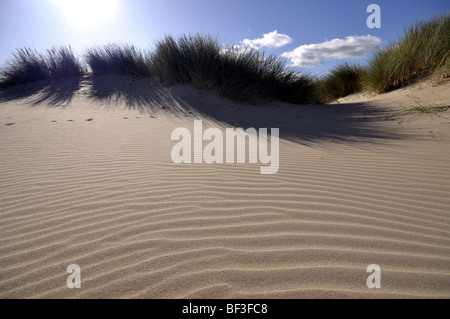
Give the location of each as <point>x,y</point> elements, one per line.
<point>82,14</point>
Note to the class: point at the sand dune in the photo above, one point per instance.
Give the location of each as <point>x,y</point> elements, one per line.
<point>86,178</point>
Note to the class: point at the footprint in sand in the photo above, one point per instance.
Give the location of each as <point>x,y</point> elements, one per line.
<point>125,118</point>
<point>69,120</point>
<point>89,120</point>
<point>9,124</point>
<point>54,121</point>
<point>153,117</point>
<point>137,117</point>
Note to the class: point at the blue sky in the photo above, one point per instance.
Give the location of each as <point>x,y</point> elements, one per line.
<point>336,26</point>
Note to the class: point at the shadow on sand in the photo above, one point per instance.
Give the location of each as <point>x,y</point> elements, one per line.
<point>142,95</point>
<point>58,93</point>
<point>305,124</point>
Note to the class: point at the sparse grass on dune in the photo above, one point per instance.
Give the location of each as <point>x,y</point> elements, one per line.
<point>423,107</point>
<point>343,80</point>
<point>119,59</point>
<point>423,50</point>
<point>28,65</point>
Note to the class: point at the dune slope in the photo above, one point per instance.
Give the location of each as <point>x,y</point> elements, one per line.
<point>86,178</point>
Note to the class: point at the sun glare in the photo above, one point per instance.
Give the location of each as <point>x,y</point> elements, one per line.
<point>82,14</point>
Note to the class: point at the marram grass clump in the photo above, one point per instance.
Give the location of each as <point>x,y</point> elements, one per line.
<point>62,63</point>
<point>249,73</point>
<point>118,59</point>
<point>239,74</point>
<point>343,80</point>
<point>188,59</point>
<point>28,65</point>
<point>424,50</point>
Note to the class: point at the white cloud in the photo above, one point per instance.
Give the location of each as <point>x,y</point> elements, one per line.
<point>350,47</point>
<point>271,39</point>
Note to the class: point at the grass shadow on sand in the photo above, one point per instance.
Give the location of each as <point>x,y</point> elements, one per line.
<point>22,91</point>
<point>140,94</point>
<point>305,124</point>
<point>52,93</point>
<point>59,93</point>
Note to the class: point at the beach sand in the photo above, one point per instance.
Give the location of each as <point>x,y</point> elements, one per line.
<point>86,178</point>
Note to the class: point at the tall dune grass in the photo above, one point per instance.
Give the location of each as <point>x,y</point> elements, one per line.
<point>240,73</point>
<point>62,63</point>
<point>343,80</point>
<point>237,74</point>
<point>119,59</point>
<point>188,59</point>
<point>423,50</point>
<point>28,65</point>
<point>245,73</point>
